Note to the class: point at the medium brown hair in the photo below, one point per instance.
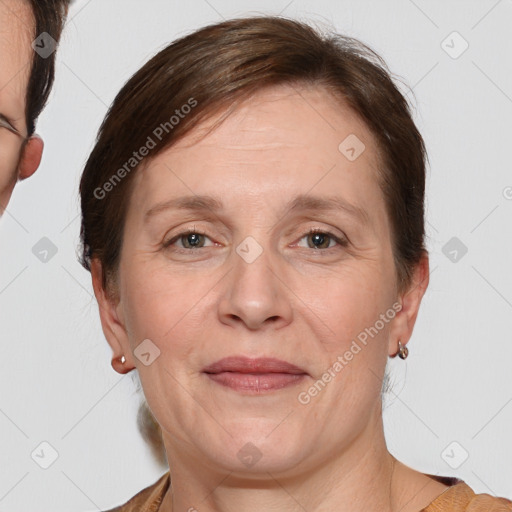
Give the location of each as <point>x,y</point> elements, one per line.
<point>49,17</point>
<point>221,65</point>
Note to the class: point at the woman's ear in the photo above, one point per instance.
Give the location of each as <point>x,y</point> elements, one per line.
<point>31,155</point>
<point>112,321</point>
<point>410,300</point>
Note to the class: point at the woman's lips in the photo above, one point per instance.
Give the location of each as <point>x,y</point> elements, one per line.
<point>256,382</point>
<point>254,375</point>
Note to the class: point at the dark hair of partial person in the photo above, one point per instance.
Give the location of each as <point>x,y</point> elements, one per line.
<point>49,17</point>
<point>223,64</point>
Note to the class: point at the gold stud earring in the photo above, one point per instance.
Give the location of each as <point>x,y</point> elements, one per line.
<point>403,351</point>
<point>118,365</point>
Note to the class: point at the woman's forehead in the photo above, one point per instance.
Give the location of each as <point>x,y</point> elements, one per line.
<point>279,141</point>
<point>286,114</point>
<point>278,129</point>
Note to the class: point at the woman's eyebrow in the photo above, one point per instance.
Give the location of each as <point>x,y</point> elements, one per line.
<point>327,203</point>
<point>192,203</point>
<point>301,202</point>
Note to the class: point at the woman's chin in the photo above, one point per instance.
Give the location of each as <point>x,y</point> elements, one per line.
<point>253,448</point>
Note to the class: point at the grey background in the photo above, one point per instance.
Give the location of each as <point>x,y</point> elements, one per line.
<point>456,387</point>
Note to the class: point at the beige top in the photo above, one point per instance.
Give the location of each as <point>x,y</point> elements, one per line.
<point>459,497</point>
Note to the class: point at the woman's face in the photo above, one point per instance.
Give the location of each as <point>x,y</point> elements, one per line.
<point>243,278</point>
<point>15,58</point>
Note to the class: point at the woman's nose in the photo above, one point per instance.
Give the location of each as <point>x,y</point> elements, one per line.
<point>254,292</point>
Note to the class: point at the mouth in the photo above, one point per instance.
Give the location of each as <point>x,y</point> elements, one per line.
<point>254,376</point>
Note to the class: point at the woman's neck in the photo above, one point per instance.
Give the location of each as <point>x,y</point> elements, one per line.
<point>360,478</point>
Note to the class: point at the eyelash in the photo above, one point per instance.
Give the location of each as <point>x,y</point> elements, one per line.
<point>340,241</point>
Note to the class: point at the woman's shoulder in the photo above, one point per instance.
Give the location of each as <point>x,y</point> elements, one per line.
<point>459,497</point>
<point>147,500</point>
